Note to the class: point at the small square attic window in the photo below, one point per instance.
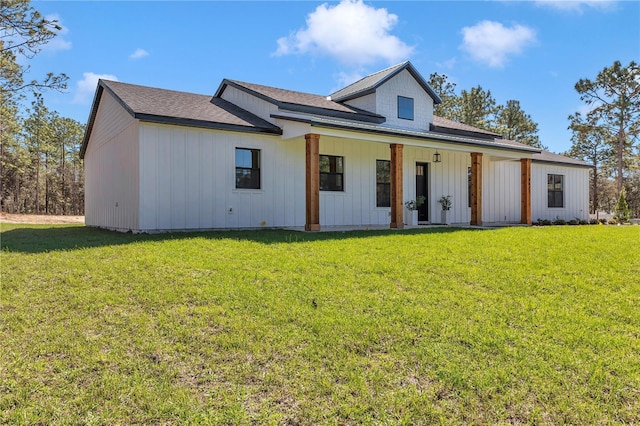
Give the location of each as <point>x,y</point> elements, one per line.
<point>405,108</point>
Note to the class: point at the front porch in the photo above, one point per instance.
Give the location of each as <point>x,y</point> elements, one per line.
<point>459,173</point>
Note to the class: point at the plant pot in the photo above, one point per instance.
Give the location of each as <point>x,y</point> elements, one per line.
<point>411,217</point>
<point>444,217</point>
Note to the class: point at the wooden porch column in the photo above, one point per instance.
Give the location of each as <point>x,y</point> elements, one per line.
<point>476,188</point>
<point>525,191</point>
<point>312,190</point>
<point>396,186</point>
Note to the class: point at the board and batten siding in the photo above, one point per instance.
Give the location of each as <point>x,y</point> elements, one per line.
<point>111,169</point>
<point>254,105</point>
<point>403,84</point>
<point>448,177</point>
<point>501,190</point>
<point>187,180</point>
<point>367,102</point>
<point>356,205</point>
<point>575,192</point>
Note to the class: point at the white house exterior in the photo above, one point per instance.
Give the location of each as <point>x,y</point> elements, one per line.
<point>254,156</point>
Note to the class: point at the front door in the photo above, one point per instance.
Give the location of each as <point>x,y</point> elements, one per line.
<point>422,190</point>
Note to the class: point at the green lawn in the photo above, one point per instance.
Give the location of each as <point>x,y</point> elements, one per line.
<point>536,325</point>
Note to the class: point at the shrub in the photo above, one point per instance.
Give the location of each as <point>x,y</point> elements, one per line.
<point>623,212</point>
<point>612,222</point>
<point>583,222</point>
<point>559,221</point>
<point>603,221</point>
<point>573,222</point>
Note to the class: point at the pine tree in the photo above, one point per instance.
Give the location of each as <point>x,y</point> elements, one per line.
<point>516,125</point>
<point>623,213</point>
<point>615,98</point>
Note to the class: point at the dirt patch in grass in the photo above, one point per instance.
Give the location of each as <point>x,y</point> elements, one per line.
<point>39,218</point>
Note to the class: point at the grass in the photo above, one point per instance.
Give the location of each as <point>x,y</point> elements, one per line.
<point>513,326</point>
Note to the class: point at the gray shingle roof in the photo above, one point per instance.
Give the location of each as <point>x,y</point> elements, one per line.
<point>542,156</point>
<point>550,157</point>
<point>169,106</point>
<point>152,102</point>
<point>301,102</point>
<point>445,123</point>
<point>371,82</point>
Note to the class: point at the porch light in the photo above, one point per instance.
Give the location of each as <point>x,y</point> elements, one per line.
<point>436,157</point>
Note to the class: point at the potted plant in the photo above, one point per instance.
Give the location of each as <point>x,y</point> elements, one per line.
<point>445,202</point>
<point>412,210</point>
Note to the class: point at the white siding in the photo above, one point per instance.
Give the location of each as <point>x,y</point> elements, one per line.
<point>367,102</point>
<point>251,103</point>
<point>501,190</point>
<point>449,177</point>
<point>111,169</point>
<point>187,179</point>
<point>356,205</point>
<point>403,84</point>
<point>576,192</point>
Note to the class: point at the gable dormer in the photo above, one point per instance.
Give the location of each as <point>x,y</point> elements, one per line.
<point>398,93</point>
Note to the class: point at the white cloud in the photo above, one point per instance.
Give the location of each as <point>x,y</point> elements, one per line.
<point>352,32</point>
<point>346,78</point>
<point>86,87</point>
<point>576,6</point>
<point>492,43</point>
<point>448,64</point>
<point>58,42</point>
<point>139,53</point>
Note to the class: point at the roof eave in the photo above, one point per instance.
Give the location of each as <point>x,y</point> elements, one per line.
<point>102,86</point>
<point>391,132</point>
<point>563,163</point>
<point>274,130</point>
<point>368,118</point>
<point>461,132</point>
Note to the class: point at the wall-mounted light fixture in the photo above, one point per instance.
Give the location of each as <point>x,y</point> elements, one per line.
<point>436,157</point>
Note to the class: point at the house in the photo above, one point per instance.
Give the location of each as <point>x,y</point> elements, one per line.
<point>253,156</point>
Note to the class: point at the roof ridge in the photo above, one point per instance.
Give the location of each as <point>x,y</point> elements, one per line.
<point>371,75</point>
<point>274,87</point>
<point>107,82</point>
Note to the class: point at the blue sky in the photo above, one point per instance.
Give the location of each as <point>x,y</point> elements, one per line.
<point>531,51</point>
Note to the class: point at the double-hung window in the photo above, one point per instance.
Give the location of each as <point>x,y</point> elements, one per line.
<point>331,173</point>
<point>383,183</point>
<point>247,168</point>
<point>555,190</point>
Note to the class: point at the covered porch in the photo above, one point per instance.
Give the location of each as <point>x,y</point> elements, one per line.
<point>466,173</point>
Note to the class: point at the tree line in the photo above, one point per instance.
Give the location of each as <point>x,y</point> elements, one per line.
<point>606,137</point>
<point>40,166</point>
<point>478,108</point>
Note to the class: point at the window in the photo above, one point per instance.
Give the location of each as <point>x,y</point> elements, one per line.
<point>383,183</point>
<point>555,190</point>
<point>247,168</point>
<point>405,108</point>
<point>331,173</point>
